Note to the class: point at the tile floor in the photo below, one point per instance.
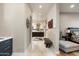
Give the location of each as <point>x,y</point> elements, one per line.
<point>38,49</point>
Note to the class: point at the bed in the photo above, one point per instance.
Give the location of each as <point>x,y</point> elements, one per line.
<point>71,44</point>
<point>68,46</point>
<point>75,36</point>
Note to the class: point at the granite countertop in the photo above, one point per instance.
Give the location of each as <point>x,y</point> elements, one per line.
<point>4,38</point>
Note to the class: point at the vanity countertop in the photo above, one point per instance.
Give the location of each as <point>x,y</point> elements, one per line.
<point>4,38</point>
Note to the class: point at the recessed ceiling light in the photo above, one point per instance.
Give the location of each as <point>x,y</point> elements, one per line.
<point>72,6</point>
<point>40,6</point>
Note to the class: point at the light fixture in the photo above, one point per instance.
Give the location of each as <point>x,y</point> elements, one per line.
<point>40,6</point>
<point>72,6</point>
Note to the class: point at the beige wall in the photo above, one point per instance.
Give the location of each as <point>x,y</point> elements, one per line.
<point>28,13</point>
<point>53,34</point>
<point>69,20</point>
<point>14,24</point>
<point>1,17</point>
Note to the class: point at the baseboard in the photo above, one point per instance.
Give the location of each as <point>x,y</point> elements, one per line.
<point>18,54</point>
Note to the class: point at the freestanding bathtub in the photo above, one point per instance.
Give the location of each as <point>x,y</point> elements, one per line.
<point>6,46</point>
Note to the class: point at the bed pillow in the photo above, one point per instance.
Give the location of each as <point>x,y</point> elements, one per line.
<point>75,37</point>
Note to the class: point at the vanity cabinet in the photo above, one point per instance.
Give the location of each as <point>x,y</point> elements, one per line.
<point>6,47</point>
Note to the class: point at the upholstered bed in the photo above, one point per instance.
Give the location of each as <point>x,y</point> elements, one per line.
<point>71,44</point>
<point>68,46</point>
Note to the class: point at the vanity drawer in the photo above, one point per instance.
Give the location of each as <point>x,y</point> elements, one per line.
<point>6,42</point>
<point>2,48</point>
<point>6,51</point>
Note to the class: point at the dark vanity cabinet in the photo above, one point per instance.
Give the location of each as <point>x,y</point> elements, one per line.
<point>6,47</point>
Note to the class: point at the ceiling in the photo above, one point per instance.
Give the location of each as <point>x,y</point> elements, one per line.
<point>40,13</point>
<point>65,8</point>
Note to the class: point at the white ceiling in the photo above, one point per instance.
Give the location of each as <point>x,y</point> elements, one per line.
<point>65,7</point>
<point>40,13</point>
<point>43,11</point>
